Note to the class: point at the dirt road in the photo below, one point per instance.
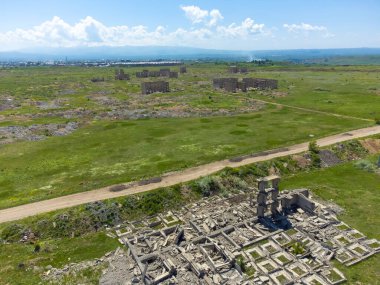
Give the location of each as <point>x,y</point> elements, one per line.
<point>303,109</point>
<point>172,178</point>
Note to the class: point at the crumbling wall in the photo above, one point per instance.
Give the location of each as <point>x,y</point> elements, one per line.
<point>235,69</point>
<point>228,84</point>
<point>261,83</point>
<point>120,75</point>
<point>173,74</point>
<point>152,87</point>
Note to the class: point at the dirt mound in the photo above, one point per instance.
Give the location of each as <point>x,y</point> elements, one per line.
<point>302,161</point>
<point>372,145</point>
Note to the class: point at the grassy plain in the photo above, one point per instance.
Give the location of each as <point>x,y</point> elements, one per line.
<point>56,253</point>
<point>110,149</point>
<point>104,153</point>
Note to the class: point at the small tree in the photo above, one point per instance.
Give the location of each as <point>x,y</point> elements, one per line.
<point>314,154</point>
<point>313,147</point>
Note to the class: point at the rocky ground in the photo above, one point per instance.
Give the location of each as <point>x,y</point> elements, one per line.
<point>35,132</point>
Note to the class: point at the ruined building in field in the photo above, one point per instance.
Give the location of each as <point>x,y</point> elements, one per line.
<point>120,75</point>
<point>228,84</point>
<point>233,84</point>
<point>235,69</point>
<point>260,83</point>
<point>279,238</point>
<point>163,72</point>
<point>182,69</point>
<point>156,86</point>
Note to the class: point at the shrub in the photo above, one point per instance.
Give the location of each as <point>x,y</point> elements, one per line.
<point>37,248</point>
<point>365,165</point>
<point>13,232</point>
<point>209,185</point>
<point>313,147</point>
<point>377,121</point>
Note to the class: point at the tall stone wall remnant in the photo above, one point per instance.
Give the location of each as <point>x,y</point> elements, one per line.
<point>182,69</point>
<point>261,83</point>
<point>120,75</point>
<point>156,86</point>
<point>235,69</point>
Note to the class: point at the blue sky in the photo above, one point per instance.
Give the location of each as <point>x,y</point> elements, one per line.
<point>238,24</point>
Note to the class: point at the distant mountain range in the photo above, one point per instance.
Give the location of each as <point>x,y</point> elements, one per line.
<point>178,53</point>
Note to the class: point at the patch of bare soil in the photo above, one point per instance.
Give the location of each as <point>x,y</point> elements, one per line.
<point>302,161</point>
<point>372,145</point>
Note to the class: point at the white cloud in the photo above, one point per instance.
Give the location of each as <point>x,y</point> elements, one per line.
<point>197,15</point>
<point>246,28</point>
<point>215,17</point>
<point>307,28</point>
<point>303,27</point>
<point>90,32</point>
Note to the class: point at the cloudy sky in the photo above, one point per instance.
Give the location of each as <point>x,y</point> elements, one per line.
<point>222,24</point>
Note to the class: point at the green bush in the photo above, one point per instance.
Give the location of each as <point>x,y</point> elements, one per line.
<point>365,165</point>
<point>207,186</point>
<point>13,232</point>
<point>313,147</point>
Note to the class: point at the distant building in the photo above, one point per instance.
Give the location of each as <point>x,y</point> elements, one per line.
<point>156,86</point>
<point>261,83</point>
<point>182,69</point>
<point>120,75</point>
<point>235,69</point>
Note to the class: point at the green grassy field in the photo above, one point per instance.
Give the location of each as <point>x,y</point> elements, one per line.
<point>104,153</point>
<point>109,149</point>
<point>352,93</point>
<point>57,253</point>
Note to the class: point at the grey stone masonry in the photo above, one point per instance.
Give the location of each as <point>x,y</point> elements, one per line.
<point>182,69</point>
<point>235,69</point>
<point>156,86</point>
<point>163,72</point>
<point>230,241</point>
<point>120,75</point>
<point>261,83</point>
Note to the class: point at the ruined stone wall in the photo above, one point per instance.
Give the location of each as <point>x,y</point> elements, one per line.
<point>142,74</point>
<point>235,69</point>
<point>173,74</point>
<point>156,86</point>
<point>164,72</point>
<point>120,75</point>
<point>228,84</point>
<point>261,83</point>
<point>182,69</point>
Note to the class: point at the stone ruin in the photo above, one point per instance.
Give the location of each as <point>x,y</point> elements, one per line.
<point>182,69</point>
<point>163,72</point>
<point>261,83</point>
<point>232,84</point>
<point>278,238</point>
<point>156,86</point>
<point>228,84</point>
<point>269,197</point>
<point>235,69</point>
<point>120,75</point>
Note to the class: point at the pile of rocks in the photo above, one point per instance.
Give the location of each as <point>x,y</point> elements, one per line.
<point>35,132</point>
